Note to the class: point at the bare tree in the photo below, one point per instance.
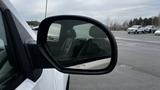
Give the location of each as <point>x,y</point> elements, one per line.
<point>159,19</point>
<point>125,25</point>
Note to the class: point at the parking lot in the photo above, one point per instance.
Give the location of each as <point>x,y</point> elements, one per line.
<point>150,37</point>
<point>137,68</point>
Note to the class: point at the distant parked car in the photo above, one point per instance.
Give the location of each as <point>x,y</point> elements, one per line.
<point>141,30</point>
<point>157,32</point>
<point>150,29</point>
<point>134,29</point>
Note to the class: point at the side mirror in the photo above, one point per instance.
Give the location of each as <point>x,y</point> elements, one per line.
<point>77,45</point>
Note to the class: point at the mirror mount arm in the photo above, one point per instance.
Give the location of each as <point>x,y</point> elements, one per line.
<point>36,57</point>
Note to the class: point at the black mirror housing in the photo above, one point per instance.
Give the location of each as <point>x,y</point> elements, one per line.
<point>97,32</point>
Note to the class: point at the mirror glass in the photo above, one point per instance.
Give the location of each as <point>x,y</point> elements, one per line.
<point>78,44</point>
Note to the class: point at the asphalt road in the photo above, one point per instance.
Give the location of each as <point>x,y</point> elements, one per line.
<point>138,66</point>
<point>142,37</point>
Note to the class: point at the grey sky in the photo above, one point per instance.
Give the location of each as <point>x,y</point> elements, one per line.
<point>103,10</point>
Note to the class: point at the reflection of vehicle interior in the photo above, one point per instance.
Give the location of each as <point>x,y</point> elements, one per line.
<point>77,48</point>
<point>70,46</point>
<point>98,45</point>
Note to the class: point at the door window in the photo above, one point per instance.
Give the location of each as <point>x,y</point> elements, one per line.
<point>6,70</point>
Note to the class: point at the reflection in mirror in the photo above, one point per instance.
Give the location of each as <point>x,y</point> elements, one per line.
<point>78,45</point>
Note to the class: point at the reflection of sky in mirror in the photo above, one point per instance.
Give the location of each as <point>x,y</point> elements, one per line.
<point>103,10</point>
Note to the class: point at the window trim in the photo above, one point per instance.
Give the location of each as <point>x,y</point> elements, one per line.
<point>20,51</point>
<point>17,78</point>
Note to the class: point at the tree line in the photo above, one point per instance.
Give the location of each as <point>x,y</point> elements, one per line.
<point>155,20</point>
<point>146,21</point>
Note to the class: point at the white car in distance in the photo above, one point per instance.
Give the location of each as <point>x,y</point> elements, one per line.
<point>134,29</point>
<point>150,29</point>
<point>157,32</point>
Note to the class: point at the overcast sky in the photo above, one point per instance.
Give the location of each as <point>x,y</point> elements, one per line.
<point>103,10</point>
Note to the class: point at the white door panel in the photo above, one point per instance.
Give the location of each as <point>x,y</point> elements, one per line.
<point>26,85</point>
<point>51,79</point>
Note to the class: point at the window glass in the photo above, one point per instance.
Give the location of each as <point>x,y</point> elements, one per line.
<point>82,31</point>
<point>6,71</point>
<point>54,32</point>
